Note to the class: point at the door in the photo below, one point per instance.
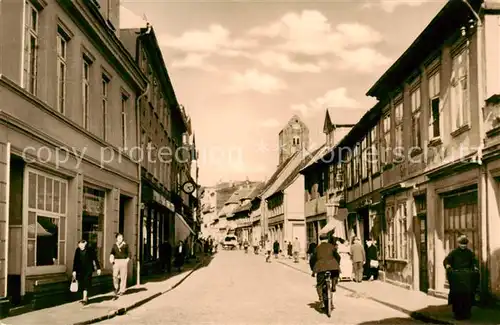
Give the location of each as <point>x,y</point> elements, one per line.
<point>424,274</point>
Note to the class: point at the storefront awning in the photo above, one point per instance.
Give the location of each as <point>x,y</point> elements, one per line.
<point>182,229</point>
<point>336,224</point>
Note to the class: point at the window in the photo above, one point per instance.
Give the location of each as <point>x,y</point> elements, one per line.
<point>461,217</point>
<point>47,199</point>
<point>124,120</point>
<point>396,243</point>
<point>355,164</point>
<point>434,114</point>
<point>398,141</point>
<point>416,136</point>
<point>460,91</point>
<point>331,176</point>
<point>86,91</point>
<point>104,104</point>
<point>93,217</point>
<point>348,169</point>
<point>31,48</point>
<point>387,138</point>
<point>364,158</point>
<point>374,150</point>
<point>62,46</point>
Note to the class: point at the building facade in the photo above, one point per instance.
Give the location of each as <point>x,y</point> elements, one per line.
<point>167,154</point>
<point>67,84</point>
<point>421,166</point>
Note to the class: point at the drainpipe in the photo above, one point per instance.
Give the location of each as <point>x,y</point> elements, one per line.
<point>139,173</point>
<point>139,165</point>
<point>483,177</point>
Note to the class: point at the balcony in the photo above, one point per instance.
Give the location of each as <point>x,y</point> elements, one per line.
<point>315,206</point>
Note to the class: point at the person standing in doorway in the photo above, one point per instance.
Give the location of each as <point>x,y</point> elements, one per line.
<point>371,260</point>
<point>179,256</point>
<point>84,263</point>
<point>358,259</point>
<point>166,256</point>
<point>119,257</point>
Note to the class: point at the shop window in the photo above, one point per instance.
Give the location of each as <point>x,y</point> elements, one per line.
<point>47,198</point>
<point>396,243</point>
<point>93,219</point>
<point>461,218</point>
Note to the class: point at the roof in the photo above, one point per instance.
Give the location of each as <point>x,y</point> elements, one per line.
<point>368,121</point>
<point>277,173</point>
<point>252,194</point>
<point>223,194</point>
<point>447,22</point>
<point>293,175</point>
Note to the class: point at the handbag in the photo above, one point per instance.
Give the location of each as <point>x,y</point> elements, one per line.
<point>374,264</point>
<point>73,287</point>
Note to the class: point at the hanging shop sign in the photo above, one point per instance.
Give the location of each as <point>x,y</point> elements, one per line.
<point>157,197</point>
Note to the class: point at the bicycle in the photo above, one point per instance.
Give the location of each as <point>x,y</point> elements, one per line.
<point>328,294</point>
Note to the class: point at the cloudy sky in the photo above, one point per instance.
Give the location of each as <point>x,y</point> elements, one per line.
<point>242,69</point>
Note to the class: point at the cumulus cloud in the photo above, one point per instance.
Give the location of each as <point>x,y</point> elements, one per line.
<point>311,33</point>
<point>215,40</point>
<point>254,80</point>
<point>391,5</point>
<point>335,98</point>
<point>194,60</point>
<point>283,62</point>
<point>363,60</point>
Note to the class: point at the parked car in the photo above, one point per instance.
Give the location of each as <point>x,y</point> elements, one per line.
<point>230,242</point>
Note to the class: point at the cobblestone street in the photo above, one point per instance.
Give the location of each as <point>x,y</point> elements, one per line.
<point>242,289</point>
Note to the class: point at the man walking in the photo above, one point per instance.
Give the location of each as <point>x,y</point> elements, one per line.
<point>358,259</point>
<point>276,248</point>
<point>119,257</point>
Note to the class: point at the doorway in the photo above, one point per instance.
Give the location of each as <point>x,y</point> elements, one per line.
<point>421,204</point>
<point>121,216</point>
<point>15,262</point>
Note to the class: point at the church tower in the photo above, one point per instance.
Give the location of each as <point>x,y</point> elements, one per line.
<point>292,138</point>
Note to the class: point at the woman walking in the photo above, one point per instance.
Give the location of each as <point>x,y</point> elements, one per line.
<point>84,263</point>
<point>180,254</point>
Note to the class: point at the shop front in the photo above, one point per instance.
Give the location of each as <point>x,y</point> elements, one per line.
<point>157,227</point>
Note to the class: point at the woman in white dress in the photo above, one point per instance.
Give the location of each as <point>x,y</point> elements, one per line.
<point>345,260</point>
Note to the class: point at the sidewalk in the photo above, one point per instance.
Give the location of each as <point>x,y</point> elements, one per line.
<point>416,304</point>
<point>103,306</point>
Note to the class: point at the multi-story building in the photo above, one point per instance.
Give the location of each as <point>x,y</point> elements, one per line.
<point>167,153</point>
<point>69,91</point>
<point>430,178</point>
<point>239,216</point>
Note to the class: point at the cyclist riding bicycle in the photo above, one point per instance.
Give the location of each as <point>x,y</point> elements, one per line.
<point>325,259</point>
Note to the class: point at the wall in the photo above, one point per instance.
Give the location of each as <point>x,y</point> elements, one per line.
<point>50,18</point>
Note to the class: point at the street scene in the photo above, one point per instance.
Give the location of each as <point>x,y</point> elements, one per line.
<point>249,162</point>
<point>254,292</point>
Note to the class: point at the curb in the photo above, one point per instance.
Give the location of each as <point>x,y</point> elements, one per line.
<point>413,314</point>
<point>123,310</point>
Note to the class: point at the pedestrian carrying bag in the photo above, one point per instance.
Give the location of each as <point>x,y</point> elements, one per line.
<point>73,286</point>
<point>374,264</point>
